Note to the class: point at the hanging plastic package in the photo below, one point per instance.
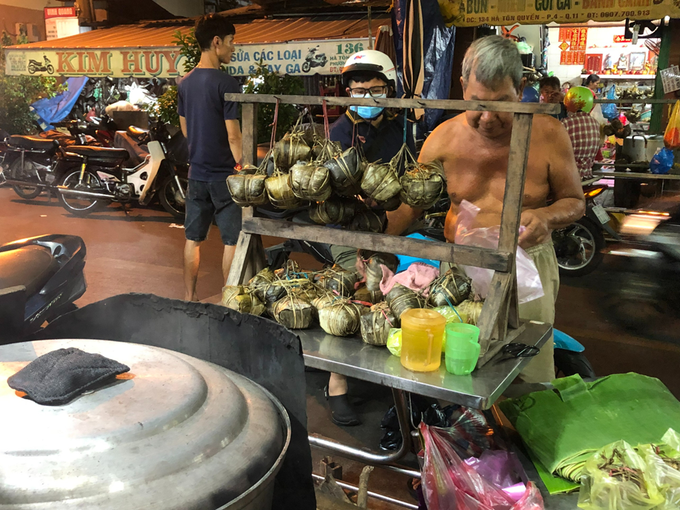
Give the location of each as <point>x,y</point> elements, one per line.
<point>662,161</point>
<point>609,110</point>
<point>671,137</point>
<point>451,484</point>
<point>528,280</point>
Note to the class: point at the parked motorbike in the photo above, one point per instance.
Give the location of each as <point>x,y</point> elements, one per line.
<point>579,246</point>
<point>34,66</point>
<point>33,164</point>
<point>102,178</point>
<point>569,356</point>
<point>40,278</point>
<point>314,59</point>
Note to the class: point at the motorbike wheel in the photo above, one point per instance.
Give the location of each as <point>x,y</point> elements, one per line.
<point>50,69</point>
<point>579,247</point>
<point>170,197</point>
<point>306,67</point>
<point>31,69</point>
<point>26,173</point>
<point>569,363</point>
<point>76,205</point>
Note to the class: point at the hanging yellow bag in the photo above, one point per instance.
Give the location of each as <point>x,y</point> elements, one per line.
<point>671,137</point>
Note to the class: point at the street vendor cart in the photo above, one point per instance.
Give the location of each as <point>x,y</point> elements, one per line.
<point>499,322</point>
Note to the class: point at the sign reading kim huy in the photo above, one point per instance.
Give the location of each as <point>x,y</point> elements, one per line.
<point>295,58</point>
<point>468,13</point>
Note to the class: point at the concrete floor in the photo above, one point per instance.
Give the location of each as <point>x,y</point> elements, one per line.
<point>626,313</point>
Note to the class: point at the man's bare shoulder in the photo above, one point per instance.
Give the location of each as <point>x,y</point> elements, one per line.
<point>546,124</point>
<point>438,144</point>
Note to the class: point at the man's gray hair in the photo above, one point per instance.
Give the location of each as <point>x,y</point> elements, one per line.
<point>492,58</point>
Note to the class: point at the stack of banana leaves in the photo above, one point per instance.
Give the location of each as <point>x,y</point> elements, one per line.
<point>339,187</point>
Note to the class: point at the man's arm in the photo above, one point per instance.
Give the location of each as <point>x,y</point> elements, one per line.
<point>183,125</point>
<point>565,188</point>
<point>235,140</point>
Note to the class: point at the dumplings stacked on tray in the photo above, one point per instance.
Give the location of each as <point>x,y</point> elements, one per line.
<point>342,301</point>
<point>305,169</point>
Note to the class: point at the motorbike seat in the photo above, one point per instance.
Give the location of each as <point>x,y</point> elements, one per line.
<point>136,131</point>
<point>102,153</point>
<point>30,266</point>
<point>32,142</point>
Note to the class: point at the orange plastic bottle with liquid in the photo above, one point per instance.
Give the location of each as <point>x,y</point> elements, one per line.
<point>422,334</point>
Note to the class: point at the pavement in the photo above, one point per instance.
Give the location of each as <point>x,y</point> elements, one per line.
<point>626,313</point>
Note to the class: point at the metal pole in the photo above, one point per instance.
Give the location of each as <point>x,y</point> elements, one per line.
<point>370,32</point>
<point>370,494</point>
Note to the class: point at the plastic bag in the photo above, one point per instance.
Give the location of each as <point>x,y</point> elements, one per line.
<point>394,341</point>
<point>662,161</point>
<point>451,484</point>
<point>663,467</point>
<point>617,478</point>
<point>528,280</point>
<point>609,110</point>
<point>671,137</point>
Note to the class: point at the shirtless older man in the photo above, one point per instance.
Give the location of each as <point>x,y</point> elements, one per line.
<point>474,149</point>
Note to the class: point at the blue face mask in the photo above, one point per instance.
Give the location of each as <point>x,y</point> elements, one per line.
<point>368,112</point>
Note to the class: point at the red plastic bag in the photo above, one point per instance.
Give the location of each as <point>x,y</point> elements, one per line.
<point>671,137</point>
<point>451,484</point>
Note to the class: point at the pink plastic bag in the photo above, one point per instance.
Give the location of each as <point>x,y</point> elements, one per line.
<point>528,280</point>
<point>451,484</point>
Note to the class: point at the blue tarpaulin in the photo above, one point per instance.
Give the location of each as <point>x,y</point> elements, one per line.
<point>437,44</point>
<point>57,108</point>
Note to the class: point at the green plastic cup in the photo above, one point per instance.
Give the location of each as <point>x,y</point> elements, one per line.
<point>458,333</point>
<point>461,358</point>
<point>462,348</point>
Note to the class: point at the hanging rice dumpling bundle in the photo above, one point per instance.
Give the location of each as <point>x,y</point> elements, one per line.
<point>401,298</point>
<point>247,189</point>
<point>310,181</point>
<point>380,182</point>
<point>346,170</point>
<point>293,312</point>
<point>261,281</point>
<point>341,318</point>
<point>376,324</point>
<point>324,149</point>
<point>334,211</point>
<point>422,184</point>
<point>369,220</point>
<point>337,280</point>
<point>392,204</point>
<point>242,299</point>
<point>280,193</point>
<point>291,149</point>
<point>370,266</point>
<point>451,288</point>
<point>249,170</point>
<point>471,310</point>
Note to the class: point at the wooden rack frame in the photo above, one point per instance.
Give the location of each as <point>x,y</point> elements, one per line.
<point>500,310</point>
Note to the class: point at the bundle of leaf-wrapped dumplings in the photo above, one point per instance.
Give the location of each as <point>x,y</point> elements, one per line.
<point>345,303</point>
<point>340,186</point>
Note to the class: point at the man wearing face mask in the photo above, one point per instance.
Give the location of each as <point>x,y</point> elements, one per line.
<point>474,148</point>
<point>380,134</point>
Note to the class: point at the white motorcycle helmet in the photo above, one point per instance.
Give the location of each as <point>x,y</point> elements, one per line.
<point>370,61</point>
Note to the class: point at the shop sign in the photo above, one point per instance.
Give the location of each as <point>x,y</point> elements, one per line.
<point>299,59</point>
<point>621,39</point>
<point>573,46</point>
<point>295,58</point>
<point>61,22</point>
<point>470,13</point>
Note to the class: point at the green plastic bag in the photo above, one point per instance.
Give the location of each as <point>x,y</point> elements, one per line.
<point>617,478</point>
<point>565,426</point>
<point>394,341</point>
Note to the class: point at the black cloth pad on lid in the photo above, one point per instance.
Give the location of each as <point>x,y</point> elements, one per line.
<point>59,376</point>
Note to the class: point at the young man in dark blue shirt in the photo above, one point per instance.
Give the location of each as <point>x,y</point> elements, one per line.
<point>212,129</point>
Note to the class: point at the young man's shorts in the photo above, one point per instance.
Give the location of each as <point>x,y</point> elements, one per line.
<point>206,200</point>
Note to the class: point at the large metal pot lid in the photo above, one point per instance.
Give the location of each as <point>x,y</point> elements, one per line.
<point>178,433</point>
